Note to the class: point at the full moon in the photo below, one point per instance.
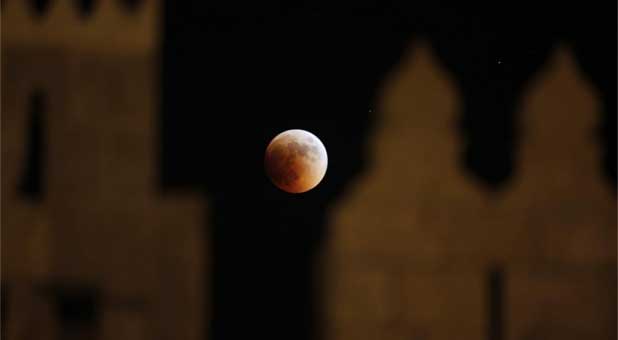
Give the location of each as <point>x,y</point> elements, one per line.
<point>295,161</point>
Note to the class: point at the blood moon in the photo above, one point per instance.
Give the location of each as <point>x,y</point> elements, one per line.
<point>296,161</point>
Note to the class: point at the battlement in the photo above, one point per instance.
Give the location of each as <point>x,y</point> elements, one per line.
<point>109,26</point>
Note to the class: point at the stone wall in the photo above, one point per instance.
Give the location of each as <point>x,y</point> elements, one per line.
<point>418,248</point>
<point>98,250</point>
<point>417,245</point>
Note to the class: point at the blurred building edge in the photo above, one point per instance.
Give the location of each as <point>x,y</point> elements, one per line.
<point>419,250</point>
<point>110,28</point>
<point>92,249</point>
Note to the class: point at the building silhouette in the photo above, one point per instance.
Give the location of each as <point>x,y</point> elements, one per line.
<point>418,246</point>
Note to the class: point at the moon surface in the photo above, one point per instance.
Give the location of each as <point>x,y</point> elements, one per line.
<point>296,161</point>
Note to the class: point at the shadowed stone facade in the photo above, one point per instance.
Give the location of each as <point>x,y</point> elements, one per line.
<point>414,242</point>
<point>100,252</point>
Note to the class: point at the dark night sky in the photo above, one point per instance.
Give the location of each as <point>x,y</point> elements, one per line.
<point>267,66</point>
<point>235,74</point>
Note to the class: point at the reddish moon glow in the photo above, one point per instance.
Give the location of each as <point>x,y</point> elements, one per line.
<point>296,161</point>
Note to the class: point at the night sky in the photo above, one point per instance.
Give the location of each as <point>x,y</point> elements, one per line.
<point>237,73</point>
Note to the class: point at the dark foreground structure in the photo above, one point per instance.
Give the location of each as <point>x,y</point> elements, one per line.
<point>470,192</point>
